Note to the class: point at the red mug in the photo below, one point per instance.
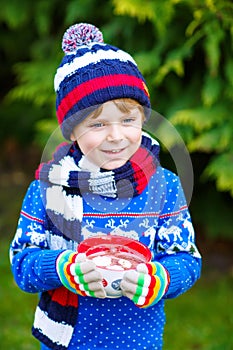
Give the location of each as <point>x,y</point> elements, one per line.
<point>113,255</point>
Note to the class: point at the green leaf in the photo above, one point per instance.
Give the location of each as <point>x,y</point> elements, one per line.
<point>221,169</point>
<point>36,83</point>
<point>171,65</point>
<point>206,142</point>
<point>159,12</point>
<point>134,8</point>
<point>212,89</point>
<point>214,140</point>
<point>200,118</point>
<point>214,36</point>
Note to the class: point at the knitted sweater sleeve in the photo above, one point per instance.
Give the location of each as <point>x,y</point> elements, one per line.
<point>175,240</point>
<point>33,264</point>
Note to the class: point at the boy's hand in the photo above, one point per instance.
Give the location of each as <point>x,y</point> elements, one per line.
<point>146,285</point>
<point>79,275</point>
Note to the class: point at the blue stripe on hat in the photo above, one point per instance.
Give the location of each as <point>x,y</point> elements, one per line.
<point>92,71</point>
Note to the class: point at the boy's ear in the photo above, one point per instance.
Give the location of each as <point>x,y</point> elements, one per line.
<point>72,137</point>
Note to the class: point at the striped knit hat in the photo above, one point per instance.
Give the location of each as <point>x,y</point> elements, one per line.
<point>92,73</point>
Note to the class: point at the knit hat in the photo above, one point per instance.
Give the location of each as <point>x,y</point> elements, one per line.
<point>92,73</point>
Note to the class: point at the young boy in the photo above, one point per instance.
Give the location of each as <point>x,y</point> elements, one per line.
<point>107,181</point>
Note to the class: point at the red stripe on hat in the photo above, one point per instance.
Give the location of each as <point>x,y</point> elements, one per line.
<point>93,85</point>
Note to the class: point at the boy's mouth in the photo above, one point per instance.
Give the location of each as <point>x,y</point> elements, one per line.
<point>113,151</point>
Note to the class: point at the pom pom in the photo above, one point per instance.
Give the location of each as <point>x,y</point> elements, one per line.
<point>80,34</point>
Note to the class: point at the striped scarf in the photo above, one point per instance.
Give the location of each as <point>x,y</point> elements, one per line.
<point>69,176</point>
<point>65,181</point>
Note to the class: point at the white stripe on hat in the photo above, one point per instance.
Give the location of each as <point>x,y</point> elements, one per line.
<point>88,58</point>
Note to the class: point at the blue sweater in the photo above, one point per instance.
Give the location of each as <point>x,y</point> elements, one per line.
<point>159,218</point>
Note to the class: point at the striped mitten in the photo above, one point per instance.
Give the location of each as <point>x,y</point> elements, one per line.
<point>79,275</point>
<point>146,285</point>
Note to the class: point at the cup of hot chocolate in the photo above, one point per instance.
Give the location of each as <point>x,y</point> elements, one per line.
<point>113,256</point>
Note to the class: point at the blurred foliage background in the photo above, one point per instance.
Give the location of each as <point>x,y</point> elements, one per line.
<point>184,50</point>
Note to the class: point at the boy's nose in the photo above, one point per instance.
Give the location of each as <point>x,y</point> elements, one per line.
<point>114,132</point>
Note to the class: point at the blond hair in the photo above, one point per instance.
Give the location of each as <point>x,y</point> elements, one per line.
<point>125,105</point>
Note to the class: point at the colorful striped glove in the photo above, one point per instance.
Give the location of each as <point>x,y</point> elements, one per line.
<point>79,275</point>
<point>146,285</point>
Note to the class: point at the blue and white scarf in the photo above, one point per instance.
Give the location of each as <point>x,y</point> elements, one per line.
<point>69,175</point>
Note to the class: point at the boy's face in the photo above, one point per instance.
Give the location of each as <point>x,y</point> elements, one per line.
<point>110,137</point>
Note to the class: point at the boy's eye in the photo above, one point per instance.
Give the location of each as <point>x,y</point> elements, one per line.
<point>129,120</point>
<point>97,125</point>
